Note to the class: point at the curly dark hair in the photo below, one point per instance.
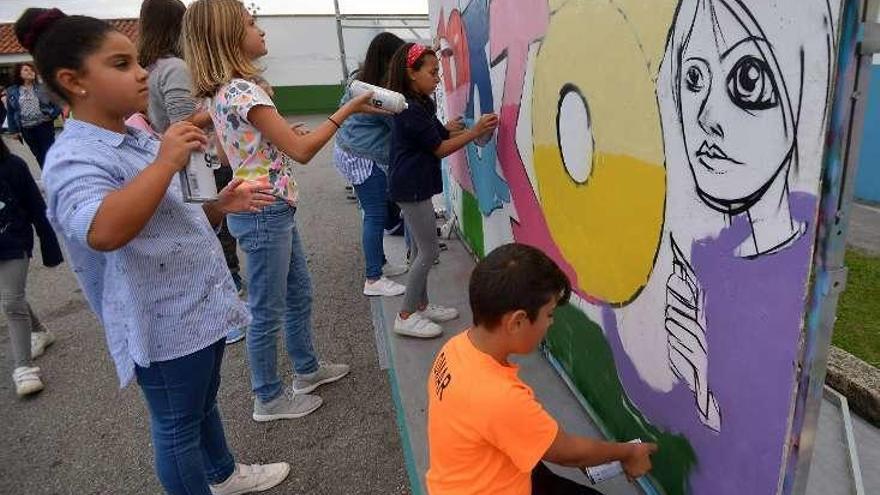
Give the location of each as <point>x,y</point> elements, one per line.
<point>16,72</point>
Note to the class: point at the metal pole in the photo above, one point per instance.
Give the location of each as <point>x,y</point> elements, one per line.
<point>829,273</point>
<point>341,38</point>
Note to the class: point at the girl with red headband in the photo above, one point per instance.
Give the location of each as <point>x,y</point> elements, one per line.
<point>418,142</point>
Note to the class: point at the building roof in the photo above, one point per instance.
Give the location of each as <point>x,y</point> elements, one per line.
<point>9,44</point>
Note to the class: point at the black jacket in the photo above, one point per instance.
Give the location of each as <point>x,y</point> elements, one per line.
<point>22,210</point>
<point>414,173</point>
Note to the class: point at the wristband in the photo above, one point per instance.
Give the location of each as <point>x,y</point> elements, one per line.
<point>334,122</point>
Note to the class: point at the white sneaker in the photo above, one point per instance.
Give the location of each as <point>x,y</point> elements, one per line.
<point>390,270</point>
<point>254,478</point>
<point>383,287</point>
<point>39,342</point>
<point>27,380</point>
<point>439,313</point>
<point>417,326</point>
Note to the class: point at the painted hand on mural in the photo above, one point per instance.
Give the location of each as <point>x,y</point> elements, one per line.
<point>686,335</point>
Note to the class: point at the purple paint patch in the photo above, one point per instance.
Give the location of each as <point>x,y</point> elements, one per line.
<point>754,310</point>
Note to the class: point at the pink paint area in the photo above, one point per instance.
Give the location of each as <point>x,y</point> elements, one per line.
<point>513,26</point>
<point>456,87</point>
<point>531,228</point>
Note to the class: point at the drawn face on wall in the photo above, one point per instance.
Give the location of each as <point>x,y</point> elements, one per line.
<point>737,127</point>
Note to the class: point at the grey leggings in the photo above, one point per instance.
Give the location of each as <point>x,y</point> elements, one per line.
<point>422,226</point>
<point>20,318</point>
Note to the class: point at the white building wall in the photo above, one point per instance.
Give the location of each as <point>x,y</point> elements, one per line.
<point>304,50</point>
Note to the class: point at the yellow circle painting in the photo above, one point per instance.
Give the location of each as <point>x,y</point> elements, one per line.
<point>598,145</point>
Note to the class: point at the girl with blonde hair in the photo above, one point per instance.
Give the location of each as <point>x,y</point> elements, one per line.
<point>221,45</point>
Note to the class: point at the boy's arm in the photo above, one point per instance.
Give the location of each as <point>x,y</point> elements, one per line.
<point>575,451</point>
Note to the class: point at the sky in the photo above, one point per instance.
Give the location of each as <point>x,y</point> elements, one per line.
<point>111,9</point>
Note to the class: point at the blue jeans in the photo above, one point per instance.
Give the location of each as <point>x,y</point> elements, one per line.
<point>373,196</point>
<point>188,439</point>
<point>279,292</point>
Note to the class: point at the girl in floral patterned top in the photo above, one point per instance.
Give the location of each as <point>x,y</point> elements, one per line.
<point>221,45</point>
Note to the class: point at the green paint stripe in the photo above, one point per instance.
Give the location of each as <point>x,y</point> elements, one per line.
<point>585,360</point>
<point>472,223</point>
<point>644,482</point>
<point>306,100</point>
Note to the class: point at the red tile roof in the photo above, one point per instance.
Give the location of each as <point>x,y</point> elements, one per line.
<point>9,44</point>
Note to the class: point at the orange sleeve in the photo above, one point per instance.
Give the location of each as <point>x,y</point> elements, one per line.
<point>521,428</point>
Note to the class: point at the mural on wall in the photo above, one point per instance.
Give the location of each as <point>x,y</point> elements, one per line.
<point>667,155</point>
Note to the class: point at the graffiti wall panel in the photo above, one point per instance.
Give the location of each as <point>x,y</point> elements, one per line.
<point>667,155</point>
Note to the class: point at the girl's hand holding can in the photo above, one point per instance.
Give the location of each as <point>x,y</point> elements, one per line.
<point>245,196</point>
<point>178,142</point>
<point>363,104</point>
<point>487,123</point>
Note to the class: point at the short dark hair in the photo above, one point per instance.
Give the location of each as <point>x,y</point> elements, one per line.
<point>398,79</point>
<point>159,30</point>
<point>58,41</point>
<point>16,72</point>
<point>515,277</point>
<point>374,70</point>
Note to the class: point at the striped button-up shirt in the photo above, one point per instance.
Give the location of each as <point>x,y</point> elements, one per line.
<point>165,294</point>
<point>355,169</point>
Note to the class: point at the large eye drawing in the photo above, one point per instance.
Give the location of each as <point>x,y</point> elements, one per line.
<point>750,84</point>
<point>696,75</point>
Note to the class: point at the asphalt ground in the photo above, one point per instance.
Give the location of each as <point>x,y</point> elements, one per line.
<point>83,435</point>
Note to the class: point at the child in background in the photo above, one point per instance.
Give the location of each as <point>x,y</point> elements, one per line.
<point>418,142</point>
<point>362,154</point>
<point>171,100</point>
<point>221,45</point>
<point>22,211</point>
<point>487,434</point>
<point>148,263</point>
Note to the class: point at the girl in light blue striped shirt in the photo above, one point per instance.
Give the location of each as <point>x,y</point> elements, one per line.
<point>148,263</point>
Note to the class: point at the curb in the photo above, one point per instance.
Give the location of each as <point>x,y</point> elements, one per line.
<point>858,381</point>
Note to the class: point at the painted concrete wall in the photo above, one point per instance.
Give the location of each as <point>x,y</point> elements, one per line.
<point>667,155</point>
<point>868,179</point>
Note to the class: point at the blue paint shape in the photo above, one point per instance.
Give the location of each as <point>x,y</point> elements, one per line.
<point>490,189</point>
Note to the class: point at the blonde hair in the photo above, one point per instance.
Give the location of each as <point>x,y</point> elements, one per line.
<point>213,32</point>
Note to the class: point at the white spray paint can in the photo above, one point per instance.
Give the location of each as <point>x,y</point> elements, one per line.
<point>382,98</point>
<point>197,178</point>
<point>605,472</point>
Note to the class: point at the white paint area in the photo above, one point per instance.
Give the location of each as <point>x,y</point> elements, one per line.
<point>524,140</point>
<point>497,230</point>
<point>575,136</point>
<point>498,75</point>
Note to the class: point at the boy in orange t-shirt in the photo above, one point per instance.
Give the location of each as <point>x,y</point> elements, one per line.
<point>487,433</point>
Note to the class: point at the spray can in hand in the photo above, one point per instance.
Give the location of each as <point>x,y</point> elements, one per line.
<point>604,472</point>
<point>197,178</point>
<point>382,98</point>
